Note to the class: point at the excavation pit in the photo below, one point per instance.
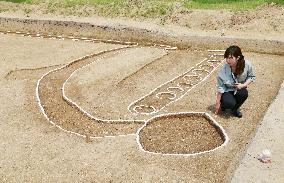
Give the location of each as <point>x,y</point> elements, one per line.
<point>187,133</point>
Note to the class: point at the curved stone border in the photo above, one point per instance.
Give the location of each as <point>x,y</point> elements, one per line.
<point>80,108</point>
<point>42,109</point>
<point>206,115</point>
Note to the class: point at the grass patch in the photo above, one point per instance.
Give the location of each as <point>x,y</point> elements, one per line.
<point>134,8</point>
<point>228,4</point>
<point>144,8</point>
<point>3,10</point>
<point>129,8</point>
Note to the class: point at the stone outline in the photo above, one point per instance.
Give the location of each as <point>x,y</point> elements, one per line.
<point>223,132</point>
<point>225,136</point>
<point>181,75</point>
<point>138,131</point>
<point>39,35</point>
<point>66,65</point>
<point>65,97</point>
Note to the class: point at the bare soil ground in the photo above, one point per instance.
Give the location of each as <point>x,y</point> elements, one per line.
<point>104,85</point>
<point>31,145</point>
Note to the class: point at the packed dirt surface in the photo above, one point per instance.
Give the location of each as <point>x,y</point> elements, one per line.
<point>80,111</point>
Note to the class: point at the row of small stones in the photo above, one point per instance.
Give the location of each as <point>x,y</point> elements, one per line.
<point>171,90</point>
<point>86,39</point>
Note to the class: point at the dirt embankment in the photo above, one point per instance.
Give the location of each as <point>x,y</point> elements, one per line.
<point>263,22</point>
<point>265,19</point>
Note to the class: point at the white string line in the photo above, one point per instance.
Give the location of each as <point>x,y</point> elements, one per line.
<point>86,39</point>
<point>133,107</point>
<point>204,114</point>
<point>42,108</point>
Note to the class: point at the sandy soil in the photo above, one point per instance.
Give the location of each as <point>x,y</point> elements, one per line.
<point>34,150</point>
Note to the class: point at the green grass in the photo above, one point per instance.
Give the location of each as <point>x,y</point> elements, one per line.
<point>146,8</point>
<point>229,4</point>
<point>134,8</point>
